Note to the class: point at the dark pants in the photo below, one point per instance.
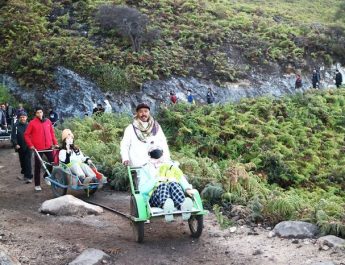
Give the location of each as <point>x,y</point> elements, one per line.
<point>338,85</point>
<point>37,174</point>
<point>25,162</point>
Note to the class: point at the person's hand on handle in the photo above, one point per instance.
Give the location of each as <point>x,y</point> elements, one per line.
<point>17,146</point>
<point>190,192</point>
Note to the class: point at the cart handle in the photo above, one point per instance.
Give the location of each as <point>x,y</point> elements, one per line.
<point>40,158</point>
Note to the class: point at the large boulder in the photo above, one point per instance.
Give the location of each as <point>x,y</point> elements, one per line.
<point>332,241</point>
<point>295,229</point>
<point>89,256</point>
<point>69,205</point>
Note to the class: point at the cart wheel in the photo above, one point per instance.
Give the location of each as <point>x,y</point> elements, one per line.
<point>91,191</point>
<point>61,177</point>
<point>138,227</point>
<point>196,224</point>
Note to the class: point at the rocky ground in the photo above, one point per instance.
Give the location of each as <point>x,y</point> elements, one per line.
<point>35,238</point>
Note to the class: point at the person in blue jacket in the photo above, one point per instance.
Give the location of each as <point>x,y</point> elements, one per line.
<point>190,97</point>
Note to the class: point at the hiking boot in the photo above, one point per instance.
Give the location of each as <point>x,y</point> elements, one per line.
<point>20,177</point>
<point>168,208</point>
<point>27,180</point>
<point>187,206</point>
<point>38,188</point>
<point>47,181</point>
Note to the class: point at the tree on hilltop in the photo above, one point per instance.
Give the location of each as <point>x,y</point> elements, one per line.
<point>129,22</point>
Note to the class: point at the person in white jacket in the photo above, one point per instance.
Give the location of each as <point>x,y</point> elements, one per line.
<point>75,160</point>
<point>140,136</point>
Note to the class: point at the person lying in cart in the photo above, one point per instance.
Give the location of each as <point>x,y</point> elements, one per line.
<point>75,160</point>
<point>164,185</point>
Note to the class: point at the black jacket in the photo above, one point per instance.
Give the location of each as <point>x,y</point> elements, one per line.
<point>338,78</point>
<point>18,135</point>
<point>316,78</point>
<point>53,116</point>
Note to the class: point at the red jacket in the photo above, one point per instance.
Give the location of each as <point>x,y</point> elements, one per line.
<point>40,134</point>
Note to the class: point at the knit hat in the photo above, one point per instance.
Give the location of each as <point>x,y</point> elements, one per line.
<point>22,113</point>
<point>66,133</point>
<point>142,106</point>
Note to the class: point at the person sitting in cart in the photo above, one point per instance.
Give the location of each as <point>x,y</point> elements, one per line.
<point>75,160</point>
<point>164,185</point>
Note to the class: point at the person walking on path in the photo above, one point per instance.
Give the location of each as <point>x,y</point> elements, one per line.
<point>40,135</point>
<point>140,136</point>
<point>20,110</point>
<point>316,79</point>
<point>173,97</point>
<point>3,121</point>
<point>53,116</point>
<point>209,96</point>
<point>338,78</point>
<point>9,114</point>
<point>24,152</point>
<point>190,97</point>
<point>298,82</point>
<point>99,110</point>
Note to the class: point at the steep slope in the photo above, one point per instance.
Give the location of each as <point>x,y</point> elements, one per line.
<point>216,40</point>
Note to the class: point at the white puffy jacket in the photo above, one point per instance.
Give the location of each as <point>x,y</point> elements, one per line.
<point>136,151</point>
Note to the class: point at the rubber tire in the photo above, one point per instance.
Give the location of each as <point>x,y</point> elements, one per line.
<point>59,176</point>
<point>138,227</point>
<point>196,224</point>
<point>91,192</point>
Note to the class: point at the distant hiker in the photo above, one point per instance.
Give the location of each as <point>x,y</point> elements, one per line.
<point>190,97</point>
<point>173,97</point>
<point>20,110</point>
<point>139,137</point>
<point>24,152</point>
<point>338,78</point>
<point>9,114</point>
<point>98,110</point>
<point>298,82</point>
<point>40,135</point>
<point>53,116</point>
<point>209,96</point>
<point>316,79</point>
<point>3,121</point>
<point>108,108</point>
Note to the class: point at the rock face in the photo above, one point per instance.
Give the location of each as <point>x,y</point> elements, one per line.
<point>75,95</point>
<point>69,205</point>
<point>89,256</point>
<point>332,241</point>
<point>295,229</point>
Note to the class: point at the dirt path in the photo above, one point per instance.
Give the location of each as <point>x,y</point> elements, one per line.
<point>34,238</point>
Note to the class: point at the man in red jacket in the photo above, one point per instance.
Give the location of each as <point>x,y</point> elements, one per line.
<point>40,135</point>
